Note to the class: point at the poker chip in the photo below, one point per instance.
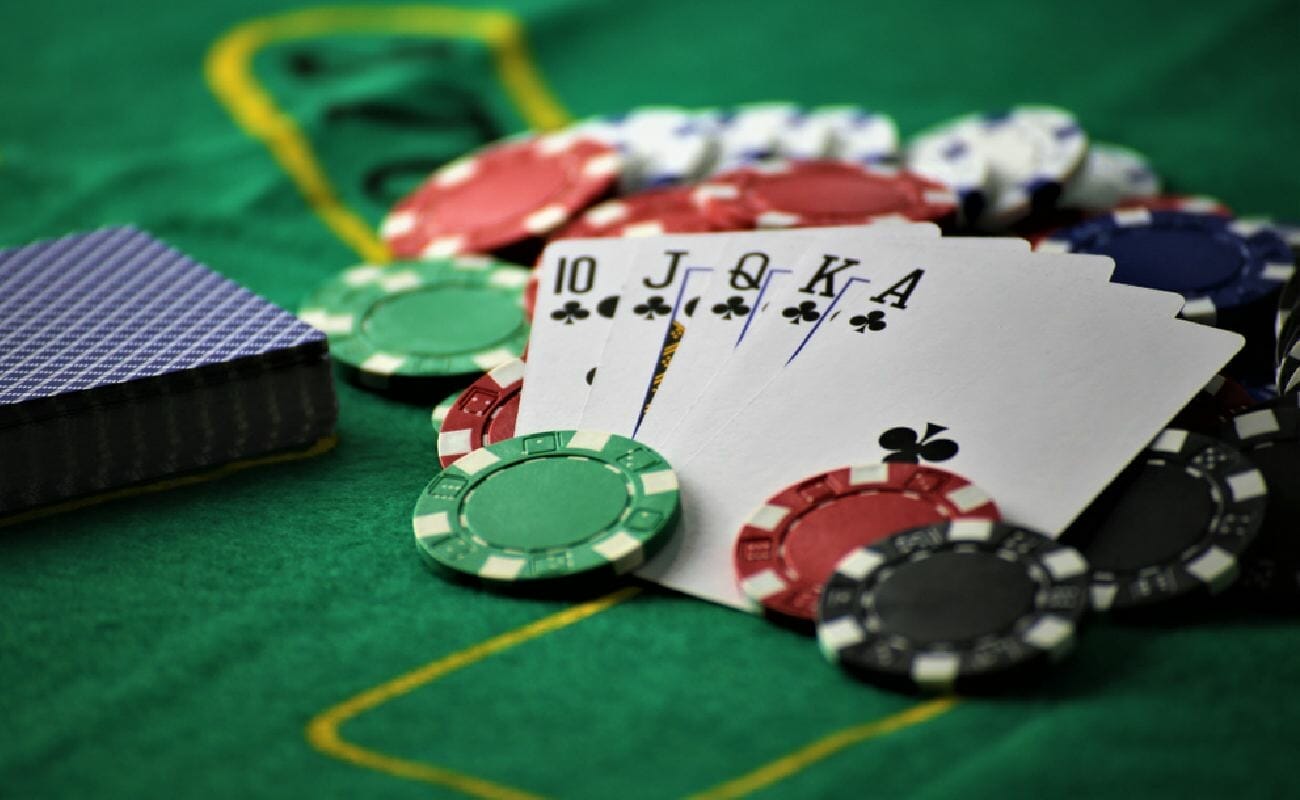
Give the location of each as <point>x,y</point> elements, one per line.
<point>812,135</point>
<point>950,160</point>
<point>1290,231</point>
<point>483,414</point>
<point>1210,260</point>
<point>549,505</point>
<point>788,194</point>
<point>1287,339</point>
<point>1270,438</point>
<point>1110,175</point>
<point>504,194</point>
<point>651,213</point>
<point>790,545</point>
<point>963,605</point>
<point>1289,298</point>
<point>866,138</point>
<point>1190,204</point>
<point>1288,372</point>
<point>750,134</point>
<point>660,146</point>
<point>846,133</point>
<point>1217,402</point>
<point>1028,154</point>
<point>422,319</point>
<point>1287,301</point>
<point>1180,520</point>
<point>439,414</point>
<point>1263,393</point>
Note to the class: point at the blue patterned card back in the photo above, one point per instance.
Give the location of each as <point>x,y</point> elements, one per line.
<point>97,309</point>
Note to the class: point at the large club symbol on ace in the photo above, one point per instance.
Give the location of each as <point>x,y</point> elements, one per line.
<point>911,448</point>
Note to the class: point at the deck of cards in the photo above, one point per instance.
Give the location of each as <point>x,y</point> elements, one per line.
<point>749,360</point>
<point>123,363</point>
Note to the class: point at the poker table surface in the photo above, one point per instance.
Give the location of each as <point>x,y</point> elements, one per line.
<point>273,633</point>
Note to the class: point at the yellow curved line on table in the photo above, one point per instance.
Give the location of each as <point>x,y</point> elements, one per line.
<point>323,730</point>
<point>827,746</point>
<point>229,71</point>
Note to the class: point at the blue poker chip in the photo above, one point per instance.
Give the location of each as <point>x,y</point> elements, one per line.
<point>1218,264</point>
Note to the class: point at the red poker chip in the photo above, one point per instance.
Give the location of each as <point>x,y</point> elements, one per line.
<point>789,547</point>
<point>504,194</point>
<point>797,194</point>
<point>1192,204</point>
<point>650,213</point>
<point>484,413</point>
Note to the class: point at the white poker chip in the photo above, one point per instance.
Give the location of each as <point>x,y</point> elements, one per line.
<point>847,133</point>
<point>947,158</point>
<point>661,146</point>
<point>751,133</point>
<point>1026,152</point>
<point>871,139</point>
<point>1110,175</point>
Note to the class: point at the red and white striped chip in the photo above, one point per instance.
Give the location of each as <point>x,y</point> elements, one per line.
<point>484,413</point>
<point>504,194</point>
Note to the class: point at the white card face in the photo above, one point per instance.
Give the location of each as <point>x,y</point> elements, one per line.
<point>1040,404</point>
<point>578,281</point>
<point>746,273</point>
<point>662,296</point>
<point>783,319</point>
<point>578,293</point>
<point>660,293</point>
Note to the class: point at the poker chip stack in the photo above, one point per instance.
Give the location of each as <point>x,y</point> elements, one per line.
<point>124,362</point>
<point>1030,170</point>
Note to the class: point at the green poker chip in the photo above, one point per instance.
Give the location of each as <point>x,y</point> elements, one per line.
<point>422,319</point>
<point>548,505</point>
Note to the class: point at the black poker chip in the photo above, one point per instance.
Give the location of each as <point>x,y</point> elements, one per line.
<point>1270,437</point>
<point>966,606</point>
<point>1177,523</point>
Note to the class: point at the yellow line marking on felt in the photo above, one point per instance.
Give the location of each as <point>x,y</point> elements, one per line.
<point>229,71</point>
<point>829,745</point>
<point>323,730</point>
<point>319,447</point>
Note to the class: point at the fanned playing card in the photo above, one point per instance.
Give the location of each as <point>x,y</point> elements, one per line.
<point>750,360</point>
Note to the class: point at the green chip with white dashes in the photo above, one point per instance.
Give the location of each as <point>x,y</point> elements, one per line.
<point>423,318</point>
<point>548,505</point>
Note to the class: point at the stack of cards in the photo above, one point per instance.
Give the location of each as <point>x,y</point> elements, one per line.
<point>750,360</point>
<point>124,362</point>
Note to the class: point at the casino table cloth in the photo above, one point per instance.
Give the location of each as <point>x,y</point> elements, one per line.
<point>273,633</point>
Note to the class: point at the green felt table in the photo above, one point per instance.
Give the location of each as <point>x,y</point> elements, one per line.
<point>273,633</point>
